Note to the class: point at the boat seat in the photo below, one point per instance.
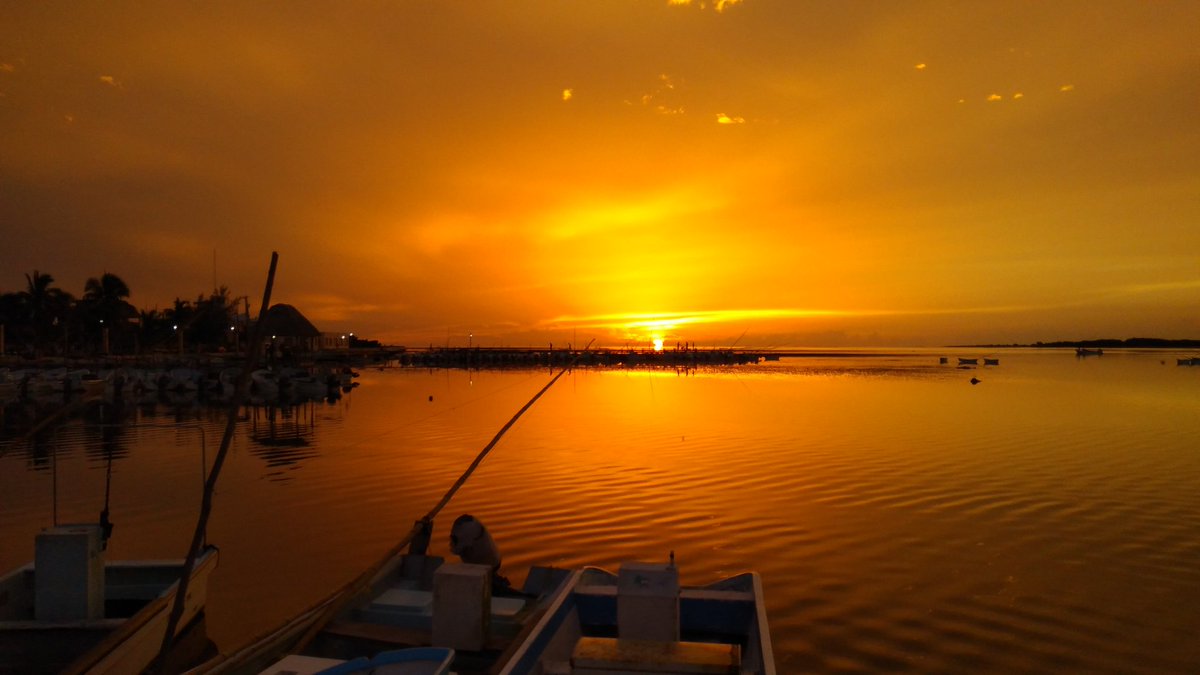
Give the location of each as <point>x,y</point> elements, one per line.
<point>384,634</point>
<point>295,664</point>
<point>404,599</point>
<point>594,655</point>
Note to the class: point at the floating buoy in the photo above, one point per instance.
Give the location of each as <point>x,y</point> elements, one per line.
<point>431,398</point>
<point>975,380</point>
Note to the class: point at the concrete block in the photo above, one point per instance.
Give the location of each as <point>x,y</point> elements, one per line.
<point>462,598</point>
<point>68,573</point>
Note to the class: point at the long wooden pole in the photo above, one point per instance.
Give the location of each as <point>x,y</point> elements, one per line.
<point>235,404</point>
<point>334,604</point>
<point>496,439</point>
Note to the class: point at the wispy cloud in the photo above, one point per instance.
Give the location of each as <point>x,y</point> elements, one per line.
<point>1156,288</point>
<point>719,5</point>
<point>662,98</point>
<point>722,118</point>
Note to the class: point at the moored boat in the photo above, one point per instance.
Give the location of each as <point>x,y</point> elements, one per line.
<point>71,611</point>
<point>641,620</point>
<point>1081,351</point>
<point>967,362</point>
<point>413,601</point>
<point>408,600</point>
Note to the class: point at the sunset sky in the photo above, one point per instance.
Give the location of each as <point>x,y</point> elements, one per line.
<point>766,172</point>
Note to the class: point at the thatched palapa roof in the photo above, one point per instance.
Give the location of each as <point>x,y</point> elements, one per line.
<point>285,320</point>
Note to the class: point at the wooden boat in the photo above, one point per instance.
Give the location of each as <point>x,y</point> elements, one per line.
<point>414,601</point>
<point>640,620</point>
<point>966,362</point>
<point>1194,361</point>
<point>991,362</point>
<point>71,611</point>
<point>1080,351</point>
<point>409,600</point>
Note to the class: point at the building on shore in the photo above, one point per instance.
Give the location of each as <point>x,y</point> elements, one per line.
<point>287,331</point>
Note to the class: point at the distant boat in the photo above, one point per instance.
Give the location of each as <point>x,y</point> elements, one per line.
<point>967,362</point>
<point>991,362</point>
<point>1080,351</point>
<point>1194,361</point>
<point>71,611</point>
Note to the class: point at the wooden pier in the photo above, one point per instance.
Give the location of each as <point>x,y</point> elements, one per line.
<point>517,357</point>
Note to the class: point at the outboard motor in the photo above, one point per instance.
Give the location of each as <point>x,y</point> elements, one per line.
<point>470,540</point>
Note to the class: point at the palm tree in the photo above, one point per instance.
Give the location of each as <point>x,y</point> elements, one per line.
<point>45,306</point>
<point>109,289</point>
<point>107,310</point>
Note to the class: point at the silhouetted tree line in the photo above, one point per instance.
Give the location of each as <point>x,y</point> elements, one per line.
<point>44,320</point>
<point>1128,343</point>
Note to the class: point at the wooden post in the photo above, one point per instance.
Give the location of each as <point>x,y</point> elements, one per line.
<point>198,537</point>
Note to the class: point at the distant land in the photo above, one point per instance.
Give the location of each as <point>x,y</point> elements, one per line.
<point>1108,343</point>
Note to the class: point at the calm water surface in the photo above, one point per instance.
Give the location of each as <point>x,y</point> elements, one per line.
<point>1044,520</point>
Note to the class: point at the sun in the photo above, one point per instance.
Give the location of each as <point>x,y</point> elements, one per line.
<point>658,344</point>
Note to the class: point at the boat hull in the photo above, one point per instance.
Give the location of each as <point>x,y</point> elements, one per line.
<point>117,646</point>
<point>725,620</point>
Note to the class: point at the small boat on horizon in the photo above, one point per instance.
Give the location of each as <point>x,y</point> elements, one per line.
<point>1081,351</point>
<point>967,362</point>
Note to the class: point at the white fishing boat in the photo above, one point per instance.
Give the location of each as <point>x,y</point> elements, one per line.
<point>70,611</point>
<point>407,600</point>
<point>264,384</point>
<point>560,621</point>
<point>641,620</point>
<point>302,385</point>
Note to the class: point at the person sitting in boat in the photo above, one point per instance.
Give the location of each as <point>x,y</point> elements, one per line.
<point>472,543</point>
